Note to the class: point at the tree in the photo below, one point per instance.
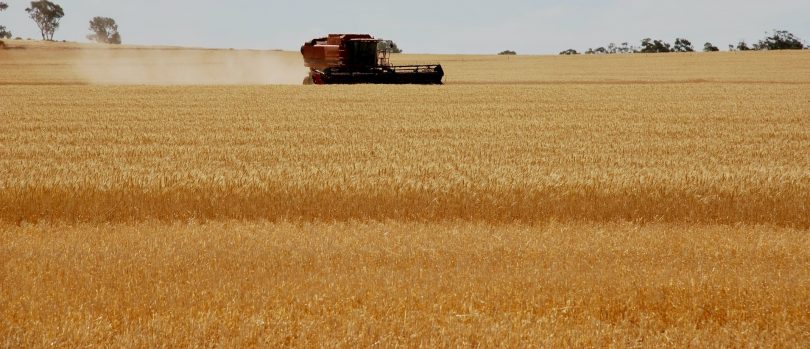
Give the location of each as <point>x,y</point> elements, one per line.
<point>742,46</point>
<point>46,15</point>
<point>611,48</point>
<point>389,46</point>
<point>654,46</point>
<point>683,45</point>
<point>4,34</point>
<point>395,48</point>
<point>507,53</point>
<point>780,40</point>
<point>708,47</point>
<point>104,30</point>
<point>647,45</point>
<point>569,51</point>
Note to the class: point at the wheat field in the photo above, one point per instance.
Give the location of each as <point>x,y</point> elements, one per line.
<point>163,197</point>
<point>389,284</point>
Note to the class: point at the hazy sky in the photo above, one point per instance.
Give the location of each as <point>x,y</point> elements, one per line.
<point>427,26</point>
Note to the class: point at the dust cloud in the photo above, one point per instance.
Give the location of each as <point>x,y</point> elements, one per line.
<point>188,67</point>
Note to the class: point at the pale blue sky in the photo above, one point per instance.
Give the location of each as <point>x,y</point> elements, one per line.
<point>424,26</point>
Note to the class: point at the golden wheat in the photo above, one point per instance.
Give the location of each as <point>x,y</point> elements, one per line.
<point>37,63</point>
<point>713,153</point>
<point>395,284</point>
<point>644,201</point>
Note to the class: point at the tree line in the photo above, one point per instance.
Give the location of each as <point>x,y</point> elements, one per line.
<point>777,40</point>
<point>46,15</point>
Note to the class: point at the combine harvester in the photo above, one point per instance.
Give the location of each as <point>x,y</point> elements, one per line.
<point>361,59</point>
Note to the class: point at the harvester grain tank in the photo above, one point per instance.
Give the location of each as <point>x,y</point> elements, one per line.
<point>361,59</point>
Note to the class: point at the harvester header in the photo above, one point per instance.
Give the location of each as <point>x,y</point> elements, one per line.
<point>361,59</point>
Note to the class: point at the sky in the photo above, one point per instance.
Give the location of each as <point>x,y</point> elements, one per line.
<point>426,26</point>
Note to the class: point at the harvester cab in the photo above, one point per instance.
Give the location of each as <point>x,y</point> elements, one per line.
<point>361,59</point>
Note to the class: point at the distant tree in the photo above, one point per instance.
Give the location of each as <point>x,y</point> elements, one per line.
<point>395,48</point>
<point>3,32</point>
<point>389,46</point>
<point>46,15</point>
<point>611,48</point>
<point>708,47</point>
<point>507,53</point>
<point>647,45</point>
<point>569,51</point>
<point>742,46</point>
<point>654,46</point>
<point>780,40</point>
<point>104,30</point>
<point>683,45</point>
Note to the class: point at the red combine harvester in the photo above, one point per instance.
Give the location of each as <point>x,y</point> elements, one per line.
<point>361,59</point>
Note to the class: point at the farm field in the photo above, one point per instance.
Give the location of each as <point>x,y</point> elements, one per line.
<point>244,283</point>
<point>170,196</point>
